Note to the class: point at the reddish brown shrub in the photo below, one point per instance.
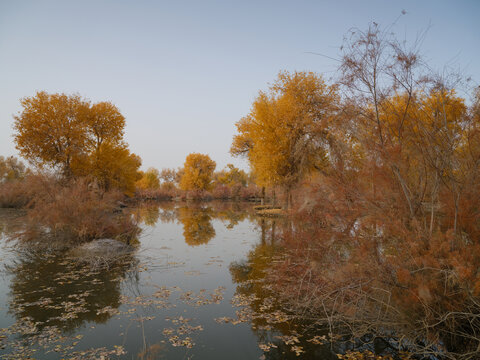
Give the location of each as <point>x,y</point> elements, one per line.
<point>20,193</point>
<point>73,212</point>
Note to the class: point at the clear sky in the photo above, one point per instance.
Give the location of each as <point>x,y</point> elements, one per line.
<point>183,72</point>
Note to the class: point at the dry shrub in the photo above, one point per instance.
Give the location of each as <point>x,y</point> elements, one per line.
<point>251,192</point>
<point>387,242</point>
<point>221,191</point>
<point>19,193</point>
<point>354,265</point>
<point>77,213</point>
<point>168,191</point>
<point>197,195</point>
<point>163,193</point>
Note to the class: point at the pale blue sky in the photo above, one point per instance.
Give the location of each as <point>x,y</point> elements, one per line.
<point>183,72</point>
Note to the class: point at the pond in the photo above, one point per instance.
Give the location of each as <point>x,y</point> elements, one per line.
<point>193,289</point>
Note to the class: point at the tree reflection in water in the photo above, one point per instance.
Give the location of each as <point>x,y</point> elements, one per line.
<point>52,290</point>
<point>147,213</point>
<point>197,224</point>
<point>280,334</point>
<point>283,332</point>
<point>196,218</point>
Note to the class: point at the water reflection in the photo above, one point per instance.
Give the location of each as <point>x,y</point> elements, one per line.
<point>11,222</point>
<point>153,352</point>
<point>147,214</point>
<point>52,290</point>
<point>197,224</point>
<point>233,213</point>
<point>281,334</point>
<point>46,290</point>
<point>196,218</point>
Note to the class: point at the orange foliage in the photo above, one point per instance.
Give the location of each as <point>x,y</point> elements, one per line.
<point>284,134</point>
<point>67,132</point>
<point>198,172</point>
<point>390,227</point>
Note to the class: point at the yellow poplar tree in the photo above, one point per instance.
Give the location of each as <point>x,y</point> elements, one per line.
<point>232,176</point>
<point>51,129</point>
<point>150,179</point>
<point>198,172</point>
<point>82,139</point>
<point>285,134</point>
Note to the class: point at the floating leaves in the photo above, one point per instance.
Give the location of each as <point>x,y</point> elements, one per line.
<point>266,347</point>
<point>202,297</point>
<point>108,310</point>
<point>183,328</point>
<point>364,355</point>
<point>288,339</point>
<point>318,340</point>
<point>226,320</point>
<point>298,350</point>
<point>74,298</point>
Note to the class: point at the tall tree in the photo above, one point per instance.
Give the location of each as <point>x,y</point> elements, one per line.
<point>82,139</point>
<point>198,172</point>
<point>104,123</point>
<point>50,130</point>
<point>232,176</point>
<point>150,179</point>
<point>285,135</point>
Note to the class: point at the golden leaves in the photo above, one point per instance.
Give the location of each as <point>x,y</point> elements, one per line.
<point>282,133</point>
<point>150,180</point>
<point>81,139</point>
<point>198,172</point>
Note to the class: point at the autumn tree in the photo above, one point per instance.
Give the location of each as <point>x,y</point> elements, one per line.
<point>104,123</point>
<point>50,130</point>
<point>285,135</point>
<point>81,139</point>
<point>396,210</point>
<point>11,169</point>
<point>112,167</point>
<point>169,178</point>
<point>198,172</point>
<point>150,179</point>
<point>232,176</point>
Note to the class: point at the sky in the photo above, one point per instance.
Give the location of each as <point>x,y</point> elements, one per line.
<point>184,72</point>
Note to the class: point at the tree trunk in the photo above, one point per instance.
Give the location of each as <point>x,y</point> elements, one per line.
<point>433,199</point>
<point>272,240</point>
<point>287,199</point>
<point>262,225</point>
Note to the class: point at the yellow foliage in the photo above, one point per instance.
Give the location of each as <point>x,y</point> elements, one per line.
<point>112,166</point>
<point>420,115</point>
<point>11,169</point>
<point>150,180</point>
<point>198,172</point>
<point>283,135</point>
<point>104,123</point>
<point>232,176</point>
<point>81,139</point>
<point>51,129</point>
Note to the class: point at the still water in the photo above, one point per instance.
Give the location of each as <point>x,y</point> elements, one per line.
<point>193,289</point>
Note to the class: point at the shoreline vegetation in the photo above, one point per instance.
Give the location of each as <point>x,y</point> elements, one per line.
<point>376,174</point>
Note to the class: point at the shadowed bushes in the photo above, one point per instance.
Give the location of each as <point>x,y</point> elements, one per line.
<point>218,192</point>
<point>71,212</point>
<point>16,194</point>
<point>156,194</point>
<point>20,193</point>
<point>79,213</point>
